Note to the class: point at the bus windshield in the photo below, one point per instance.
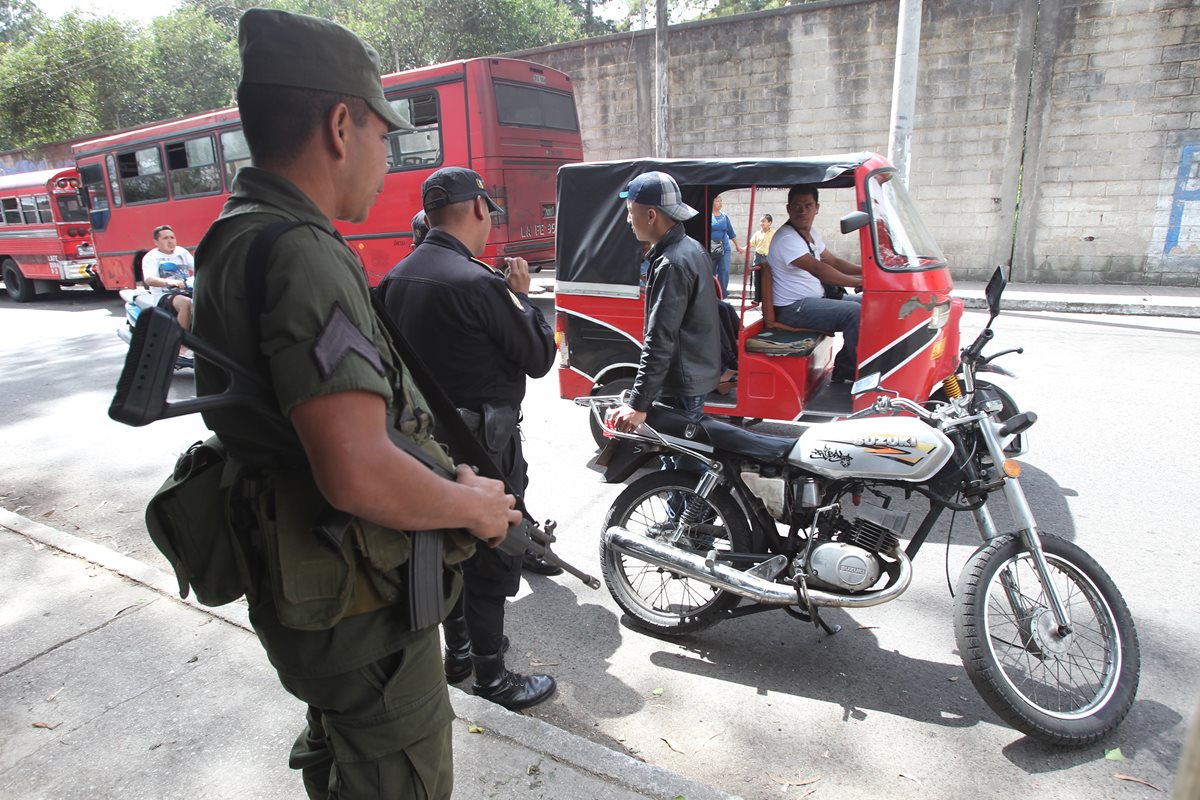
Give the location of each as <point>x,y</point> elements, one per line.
<point>532,107</point>
<point>902,242</point>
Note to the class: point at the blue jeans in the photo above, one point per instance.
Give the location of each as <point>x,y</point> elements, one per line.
<point>829,315</point>
<point>721,270</point>
<point>693,405</point>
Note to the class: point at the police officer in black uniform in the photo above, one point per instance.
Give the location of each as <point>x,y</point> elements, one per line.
<point>476,330</point>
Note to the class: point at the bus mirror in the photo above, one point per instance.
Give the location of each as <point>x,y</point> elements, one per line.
<point>854,220</point>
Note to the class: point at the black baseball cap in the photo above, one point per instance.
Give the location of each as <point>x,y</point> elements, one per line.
<point>453,185</point>
<point>279,48</point>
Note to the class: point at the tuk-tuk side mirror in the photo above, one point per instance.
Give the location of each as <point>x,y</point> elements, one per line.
<point>995,288</point>
<point>854,220</point>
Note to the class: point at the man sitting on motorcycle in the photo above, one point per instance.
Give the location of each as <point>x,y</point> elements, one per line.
<point>166,270</point>
<point>800,264</point>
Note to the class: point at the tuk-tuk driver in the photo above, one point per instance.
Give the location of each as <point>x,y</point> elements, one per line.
<point>681,350</point>
<point>800,264</point>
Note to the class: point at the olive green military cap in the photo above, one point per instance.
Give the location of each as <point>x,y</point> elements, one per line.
<point>280,48</point>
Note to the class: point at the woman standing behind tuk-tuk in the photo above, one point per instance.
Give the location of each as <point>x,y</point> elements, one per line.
<point>721,237</point>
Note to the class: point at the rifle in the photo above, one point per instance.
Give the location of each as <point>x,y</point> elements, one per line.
<point>141,398</point>
<point>528,534</point>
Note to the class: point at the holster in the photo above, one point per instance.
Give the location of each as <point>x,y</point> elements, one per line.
<point>494,424</point>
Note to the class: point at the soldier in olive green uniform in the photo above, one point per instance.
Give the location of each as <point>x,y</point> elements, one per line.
<point>337,617</point>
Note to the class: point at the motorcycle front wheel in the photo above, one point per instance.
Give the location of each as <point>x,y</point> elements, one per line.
<point>655,598</point>
<point>1060,689</point>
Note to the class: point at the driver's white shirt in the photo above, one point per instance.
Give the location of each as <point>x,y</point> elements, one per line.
<point>176,265</point>
<point>790,283</point>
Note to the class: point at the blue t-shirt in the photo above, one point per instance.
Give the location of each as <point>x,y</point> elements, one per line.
<point>721,230</point>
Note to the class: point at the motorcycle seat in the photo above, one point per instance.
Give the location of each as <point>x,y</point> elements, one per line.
<point>708,433</point>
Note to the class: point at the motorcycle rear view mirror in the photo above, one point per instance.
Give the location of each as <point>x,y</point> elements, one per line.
<point>865,384</point>
<point>995,288</point>
<point>854,220</point>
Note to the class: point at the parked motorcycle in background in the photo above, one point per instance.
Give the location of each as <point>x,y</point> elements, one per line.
<point>1044,634</point>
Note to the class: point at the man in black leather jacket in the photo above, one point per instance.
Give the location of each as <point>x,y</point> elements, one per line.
<point>681,350</point>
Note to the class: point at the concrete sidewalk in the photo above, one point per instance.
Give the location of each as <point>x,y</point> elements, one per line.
<point>1160,301</point>
<point>110,686</point>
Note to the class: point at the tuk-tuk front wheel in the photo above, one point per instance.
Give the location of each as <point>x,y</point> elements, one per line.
<point>615,386</point>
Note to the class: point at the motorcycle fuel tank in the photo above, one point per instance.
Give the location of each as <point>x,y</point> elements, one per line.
<point>896,448</point>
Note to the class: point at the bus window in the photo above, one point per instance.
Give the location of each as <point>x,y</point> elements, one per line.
<point>192,167</point>
<point>43,208</point>
<point>235,153</point>
<point>29,210</point>
<point>141,173</point>
<point>112,180</point>
<point>529,106</point>
<point>70,209</point>
<point>422,147</point>
<point>12,213</point>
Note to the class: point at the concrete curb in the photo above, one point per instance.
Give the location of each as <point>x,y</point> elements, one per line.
<point>613,767</point>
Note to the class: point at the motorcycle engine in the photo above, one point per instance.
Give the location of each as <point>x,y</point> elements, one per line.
<point>850,562</point>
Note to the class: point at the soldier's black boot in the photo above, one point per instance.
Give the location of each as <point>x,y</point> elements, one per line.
<point>512,690</point>
<point>458,649</point>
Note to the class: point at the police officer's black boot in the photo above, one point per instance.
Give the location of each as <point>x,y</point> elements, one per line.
<point>512,690</point>
<point>458,649</point>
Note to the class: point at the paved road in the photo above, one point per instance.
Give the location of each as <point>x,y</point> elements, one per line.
<point>759,705</point>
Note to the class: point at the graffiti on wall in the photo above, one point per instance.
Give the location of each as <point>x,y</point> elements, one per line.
<point>1183,226</point>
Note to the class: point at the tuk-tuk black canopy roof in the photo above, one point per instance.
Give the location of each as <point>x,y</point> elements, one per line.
<point>595,244</point>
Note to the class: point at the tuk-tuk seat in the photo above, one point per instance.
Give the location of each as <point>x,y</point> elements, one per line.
<point>776,338</point>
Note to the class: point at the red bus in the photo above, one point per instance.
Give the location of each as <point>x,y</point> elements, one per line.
<point>514,122</point>
<point>45,239</point>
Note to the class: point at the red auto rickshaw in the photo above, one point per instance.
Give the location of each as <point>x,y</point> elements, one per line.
<point>909,326</point>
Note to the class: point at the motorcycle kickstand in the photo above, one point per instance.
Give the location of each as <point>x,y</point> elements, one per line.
<point>819,621</point>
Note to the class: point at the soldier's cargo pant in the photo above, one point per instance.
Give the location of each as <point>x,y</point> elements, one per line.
<point>380,732</point>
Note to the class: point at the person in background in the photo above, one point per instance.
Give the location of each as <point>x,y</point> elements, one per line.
<point>800,264</point>
<point>721,237</point>
<point>420,228</point>
<point>166,270</point>
<point>681,349</point>
<point>480,337</point>
<point>760,240</point>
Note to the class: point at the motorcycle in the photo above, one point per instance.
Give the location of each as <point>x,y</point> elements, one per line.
<point>1043,632</point>
<point>139,300</point>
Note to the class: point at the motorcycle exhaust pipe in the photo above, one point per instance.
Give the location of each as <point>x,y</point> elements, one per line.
<point>746,583</point>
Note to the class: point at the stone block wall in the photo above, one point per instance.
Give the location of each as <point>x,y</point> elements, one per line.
<point>1061,136</point>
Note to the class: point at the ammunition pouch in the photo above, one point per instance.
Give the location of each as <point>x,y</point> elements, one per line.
<point>191,521</point>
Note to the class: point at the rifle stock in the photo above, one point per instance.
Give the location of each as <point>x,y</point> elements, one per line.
<point>142,389</point>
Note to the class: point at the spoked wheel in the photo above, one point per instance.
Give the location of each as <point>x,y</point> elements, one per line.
<point>655,598</point>
<point>1061,688</point>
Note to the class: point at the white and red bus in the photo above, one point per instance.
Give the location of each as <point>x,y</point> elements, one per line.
<point>45,239</point>
<point>514,122</point>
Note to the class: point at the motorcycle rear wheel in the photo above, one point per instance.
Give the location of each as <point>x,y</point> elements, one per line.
<point>656,599</point>
<point>1060,690</point>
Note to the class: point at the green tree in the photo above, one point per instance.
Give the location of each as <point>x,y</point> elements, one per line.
<point>192,64</point>
<point>20,20</point>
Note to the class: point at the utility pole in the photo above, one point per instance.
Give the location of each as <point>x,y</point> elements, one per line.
<point>904,86</point>
<point>661,100</point>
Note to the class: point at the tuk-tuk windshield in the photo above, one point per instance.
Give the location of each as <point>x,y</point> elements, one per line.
<point>902,242</point>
